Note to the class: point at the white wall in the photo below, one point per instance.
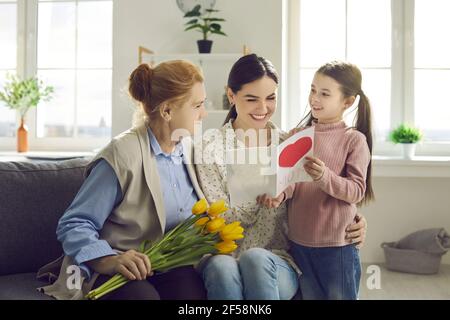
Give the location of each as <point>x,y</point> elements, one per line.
<point>403,205</point>
<point>158,25</point>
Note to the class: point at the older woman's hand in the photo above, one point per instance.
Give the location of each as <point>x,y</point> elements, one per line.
<point>356,232</point>
<point>131,264</point>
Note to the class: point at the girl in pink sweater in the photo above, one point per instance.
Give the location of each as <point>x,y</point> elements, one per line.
<point>321,210</point>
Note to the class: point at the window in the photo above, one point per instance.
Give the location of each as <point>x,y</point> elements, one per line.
<point>358,31</point>
<point>8,61</point>
<point>67,44</point>
<point>432,68</point>
<point>395,43</point>
<point>74,50</point>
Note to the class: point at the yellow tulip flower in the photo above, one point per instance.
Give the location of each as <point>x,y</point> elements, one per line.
<point>200,207</point>
<point>225,247</point>
<point>202,221</point>
<point>215,225</point>
<point>232,231</point>
<point>229,228</point>
<point>217,208</point>
<point>231,236</point>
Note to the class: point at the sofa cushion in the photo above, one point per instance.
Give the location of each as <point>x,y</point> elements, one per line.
<point>33,196</point>
<point>21,287</point>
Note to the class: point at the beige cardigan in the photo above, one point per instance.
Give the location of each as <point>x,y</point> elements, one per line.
<point>141,214</point>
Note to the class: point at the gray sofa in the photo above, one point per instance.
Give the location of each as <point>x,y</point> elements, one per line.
<point>33,196</point>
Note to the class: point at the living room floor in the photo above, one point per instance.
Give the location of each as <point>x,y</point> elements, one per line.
<point>404,286</point>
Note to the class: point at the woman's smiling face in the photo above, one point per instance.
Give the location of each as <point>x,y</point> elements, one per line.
<point>255,103</point>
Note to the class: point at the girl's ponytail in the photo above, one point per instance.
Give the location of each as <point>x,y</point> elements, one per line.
<point>364,125</point>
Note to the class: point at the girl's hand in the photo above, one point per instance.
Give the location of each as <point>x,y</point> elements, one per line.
<point>269,202</point>
<point>132,265</point>
<point>314,167</point>
<point>356,232</point>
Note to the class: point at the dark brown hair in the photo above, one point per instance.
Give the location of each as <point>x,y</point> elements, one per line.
<point>168,82</point>
<point>248,69</point>
<point>349,78</point>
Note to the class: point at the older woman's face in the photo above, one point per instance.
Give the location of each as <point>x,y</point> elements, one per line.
<point>192,110</point>
<point>255,103</point>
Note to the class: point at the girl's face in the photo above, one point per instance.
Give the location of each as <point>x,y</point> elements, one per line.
<point>326,99</point>
<point>255,103</point>
<point>192,110</point>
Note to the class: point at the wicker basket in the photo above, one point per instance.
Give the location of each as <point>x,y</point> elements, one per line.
<point>410,261</point>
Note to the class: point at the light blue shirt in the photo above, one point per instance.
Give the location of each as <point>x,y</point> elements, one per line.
<point>176,186</point>
<point>78,229</point>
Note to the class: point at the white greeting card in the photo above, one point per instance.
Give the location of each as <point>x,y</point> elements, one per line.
<point>255,171</point>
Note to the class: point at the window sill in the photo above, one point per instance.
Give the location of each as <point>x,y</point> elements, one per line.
<point>420,166</point>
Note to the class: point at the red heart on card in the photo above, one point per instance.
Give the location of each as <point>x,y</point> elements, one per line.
<point>294,152</point>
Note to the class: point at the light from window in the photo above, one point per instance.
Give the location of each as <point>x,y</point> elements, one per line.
<point>75,56</point>
<point>369,33</point>
<point>8,61</point>
<point>322,32</point>
<point>358,31</point>
<point>432,68</point>
<point>431,19</point>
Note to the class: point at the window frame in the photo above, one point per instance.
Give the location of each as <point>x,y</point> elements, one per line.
<point>402,76</point>
<point>7,143</point>
<point>27,20</point>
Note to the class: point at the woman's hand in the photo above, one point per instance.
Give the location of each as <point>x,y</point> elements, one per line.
<point>356,232</point>
<point>314,167</point>
<point>269,202</point>
<point>132,265</point>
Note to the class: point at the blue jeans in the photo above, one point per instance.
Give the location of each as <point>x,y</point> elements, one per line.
<point>257,275</point>
<point>331,273</point>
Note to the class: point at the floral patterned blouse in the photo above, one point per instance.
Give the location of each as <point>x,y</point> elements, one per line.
<point>264,228</point>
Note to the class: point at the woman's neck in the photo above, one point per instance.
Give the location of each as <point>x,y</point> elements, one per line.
<point>162,133</point>
<point>263,138</point>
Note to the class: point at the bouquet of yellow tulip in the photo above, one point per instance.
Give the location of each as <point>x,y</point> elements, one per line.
<point>205,232</point>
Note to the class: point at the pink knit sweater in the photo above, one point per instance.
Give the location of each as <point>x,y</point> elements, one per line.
<point>320,211</point>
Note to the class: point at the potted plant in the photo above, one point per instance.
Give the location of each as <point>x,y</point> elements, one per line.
<point>407,136</point>
<point>21,95</point>
<point>204,23</point>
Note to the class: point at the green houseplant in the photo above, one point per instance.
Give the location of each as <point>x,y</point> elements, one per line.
<point>407,136</point>
<point>21,95</point>
<point>204,23</point>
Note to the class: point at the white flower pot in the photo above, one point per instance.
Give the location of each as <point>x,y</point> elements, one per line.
<point>408,150</point>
